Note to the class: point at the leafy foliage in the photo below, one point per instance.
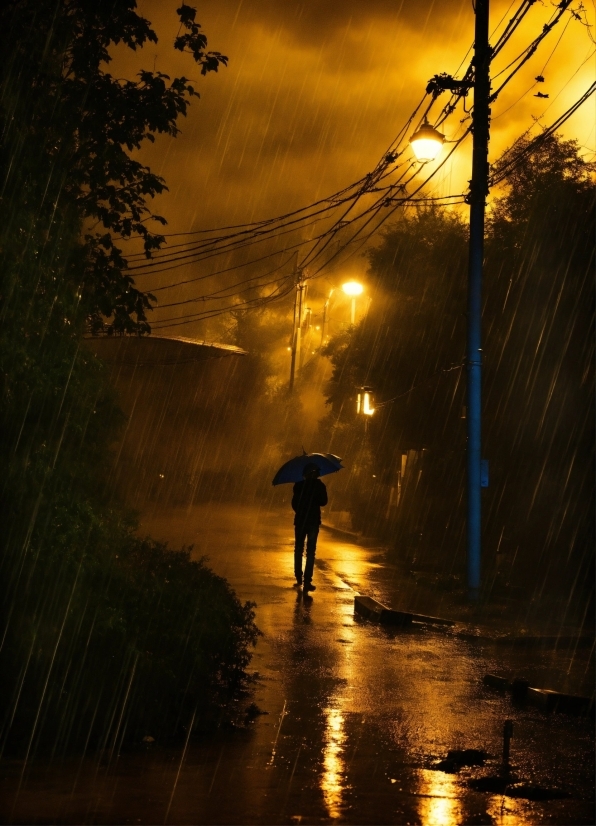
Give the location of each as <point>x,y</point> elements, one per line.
<point>538,376</point>
<point>69,128</point>
<point>415,326</point>
<point>104,635</point>
<point>121,637</point>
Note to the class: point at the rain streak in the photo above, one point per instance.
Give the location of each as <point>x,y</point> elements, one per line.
<point>297,361</point>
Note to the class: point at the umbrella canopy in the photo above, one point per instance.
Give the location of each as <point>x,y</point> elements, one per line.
<point>292,470</point>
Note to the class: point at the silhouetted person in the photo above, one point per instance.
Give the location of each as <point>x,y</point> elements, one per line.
<point>309,497</point>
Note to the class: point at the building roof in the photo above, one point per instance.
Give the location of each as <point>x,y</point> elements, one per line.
<point>151,350</point>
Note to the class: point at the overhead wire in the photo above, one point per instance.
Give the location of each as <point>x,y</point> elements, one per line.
<point>208,249</point>
<point>175,262</point>
<point>441,372</point>
<point>511,27</point>
<point>529,51</point>
<point>365,185</point>
<point>282,283</point>
<point>242,265</point>
<point>397,202</point>
<point>526,54</point>
<point>515,158</point>
<point>540,74</point>
<point>264,221</point>
<point>500,175</point>
<point>220,294</point>
<point>260,231</point>
<point>231,243</point>
<point>332,202</point>
<point>242,305</point>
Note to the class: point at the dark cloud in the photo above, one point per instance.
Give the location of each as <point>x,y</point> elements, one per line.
<point>312,20</point>
<point>315,92</point>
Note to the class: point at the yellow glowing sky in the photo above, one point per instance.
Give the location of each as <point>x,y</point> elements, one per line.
<point>315,92</point>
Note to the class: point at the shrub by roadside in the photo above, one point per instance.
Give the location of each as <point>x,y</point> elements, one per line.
<point>111,638</point>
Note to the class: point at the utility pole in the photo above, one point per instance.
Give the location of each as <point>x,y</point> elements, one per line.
<point>325,317</point>
<point>297,329</point>
<point>305,329</point>
<point>477,201</point>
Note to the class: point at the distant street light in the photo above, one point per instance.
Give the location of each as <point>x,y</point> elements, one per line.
<point>353,288</point>
<point>350,288</point>
<point>365,402</point>
<point>427,142</point>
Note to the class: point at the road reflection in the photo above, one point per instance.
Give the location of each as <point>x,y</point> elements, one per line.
<point>507,811</point>
<point>350,563</point>
<point>439,804</point>
<point>333,774</point>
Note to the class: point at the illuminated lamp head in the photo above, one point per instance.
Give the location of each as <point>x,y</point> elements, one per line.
<point>427,143</point>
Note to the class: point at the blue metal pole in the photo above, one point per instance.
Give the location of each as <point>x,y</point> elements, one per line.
<point>477,200</point>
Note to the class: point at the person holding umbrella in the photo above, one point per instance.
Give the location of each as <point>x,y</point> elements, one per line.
<point>309,496</point>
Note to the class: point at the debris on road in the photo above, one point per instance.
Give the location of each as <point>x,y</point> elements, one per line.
<point>542,698</point>
<point>458,758</point>
<point>502,784</point>
<point>375,611</point>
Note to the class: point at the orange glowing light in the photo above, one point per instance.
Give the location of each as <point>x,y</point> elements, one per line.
<point>352,288</point>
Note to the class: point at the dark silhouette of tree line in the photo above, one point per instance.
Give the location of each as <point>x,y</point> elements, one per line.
<point>538,382</point>
<point>105,636</point>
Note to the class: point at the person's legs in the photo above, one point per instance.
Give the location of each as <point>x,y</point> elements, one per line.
<point>311,547</point>
<point>300,534</point>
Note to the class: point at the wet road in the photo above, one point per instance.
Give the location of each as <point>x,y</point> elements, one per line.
<point>357,715</point>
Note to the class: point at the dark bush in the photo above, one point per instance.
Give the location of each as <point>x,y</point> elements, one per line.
<point>111,637</point>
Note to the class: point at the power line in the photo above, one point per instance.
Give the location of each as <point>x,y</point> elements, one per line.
<point>261,231</point>
<point>221,294</point>
<point>514,160</point>
<point>397,202</point>
<point>257,232</point>
<point>528,52</point>
<point>420,384</point>
<point>243,305</point>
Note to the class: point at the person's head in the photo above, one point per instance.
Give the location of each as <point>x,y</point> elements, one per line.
<point>311,471</point>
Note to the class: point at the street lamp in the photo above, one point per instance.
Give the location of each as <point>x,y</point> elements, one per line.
<point>352,289</point>
<point>427,142</point>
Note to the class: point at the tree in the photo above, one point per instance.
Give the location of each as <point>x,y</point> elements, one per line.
<point>69,128</point>
<point>410,349</point>
<point>98,626</point>
<point>539,386</point>
<point>70,187</point>
<point>414,327</point>
<point>538,373</point>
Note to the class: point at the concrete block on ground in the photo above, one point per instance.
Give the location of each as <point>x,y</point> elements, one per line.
<point>519,690</point>
<point>432,620</point>
<point>554,701</point>
<point>368,608</point>
<point>398,618</point>
<point>373,610</point>
<point>500,683</point>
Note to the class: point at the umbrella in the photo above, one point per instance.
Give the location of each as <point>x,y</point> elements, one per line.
<point>292,470</point>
